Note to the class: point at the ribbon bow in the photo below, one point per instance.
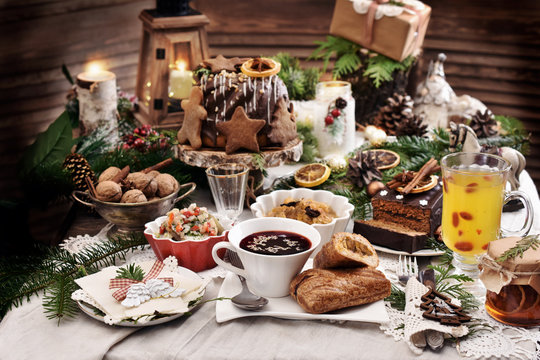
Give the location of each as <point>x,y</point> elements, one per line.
<point>123,284</point>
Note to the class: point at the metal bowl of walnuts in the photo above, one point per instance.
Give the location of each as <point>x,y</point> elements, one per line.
<point>131,216</point>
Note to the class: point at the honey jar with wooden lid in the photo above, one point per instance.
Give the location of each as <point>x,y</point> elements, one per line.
<point>511,275</point>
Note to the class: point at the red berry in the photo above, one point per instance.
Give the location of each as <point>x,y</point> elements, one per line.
<point>329,120</point>
<point>464,246</point>
<point>335,113</point>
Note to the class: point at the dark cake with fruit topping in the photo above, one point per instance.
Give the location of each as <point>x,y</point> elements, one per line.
<point>407,212</point>
<point>253,85</point>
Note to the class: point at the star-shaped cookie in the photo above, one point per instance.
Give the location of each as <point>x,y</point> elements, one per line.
<point>283,124</point>
<point>240,131</point>
<point>194,113</point>
<point>220,62</point>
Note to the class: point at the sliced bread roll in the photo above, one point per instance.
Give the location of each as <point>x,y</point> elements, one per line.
<point>319,291</point>
<point>346,250</point>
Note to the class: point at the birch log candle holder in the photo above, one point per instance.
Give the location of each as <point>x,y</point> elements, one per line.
<point>96,91</point>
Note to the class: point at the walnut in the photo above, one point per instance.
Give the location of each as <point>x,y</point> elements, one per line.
<point>108,174</point>
<point>153,173</point>
<point>133,196</point>
<point>143,182</point>
<point>109,191</point>
<point>167,184</point>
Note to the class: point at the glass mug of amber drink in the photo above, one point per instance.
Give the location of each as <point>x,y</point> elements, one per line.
<point>473,196</point>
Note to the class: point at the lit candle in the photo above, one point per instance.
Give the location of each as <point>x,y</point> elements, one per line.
<point>180,81</point>
<point>96,92</point>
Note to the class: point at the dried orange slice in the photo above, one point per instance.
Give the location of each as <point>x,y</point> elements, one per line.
<point>260,67</point>
<point>384,159</point>
<point>423,186</point>
<point>312,175</point>
<point>510,299</point>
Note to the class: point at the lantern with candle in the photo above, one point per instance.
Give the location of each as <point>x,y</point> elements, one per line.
<point>174,42</point>
<point>96,91</point>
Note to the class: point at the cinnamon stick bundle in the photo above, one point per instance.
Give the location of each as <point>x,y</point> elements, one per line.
<point>426,170</point>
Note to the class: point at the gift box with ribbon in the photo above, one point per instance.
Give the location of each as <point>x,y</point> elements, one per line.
<point>392,28</point>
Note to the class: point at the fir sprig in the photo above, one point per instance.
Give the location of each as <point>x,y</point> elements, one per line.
<point>58,264</point>
<point>57,301</point>
<point>452,284</point>
<point>310,142</point>
<point>397,298</point>
<point>301,83</point>
<point>381,69</point>
<point>522,245</point>
<point>131,271</point>
<point>258,161</point>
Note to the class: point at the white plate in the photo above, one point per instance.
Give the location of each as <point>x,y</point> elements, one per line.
<point>423,252</point>
<point>90,310</point>
<point>287,308</point>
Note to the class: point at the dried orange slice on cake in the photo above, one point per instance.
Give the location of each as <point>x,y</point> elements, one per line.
<point>312,175</point>
<point>260,67</point>
<point>384,159</point>
<point>423,186</point>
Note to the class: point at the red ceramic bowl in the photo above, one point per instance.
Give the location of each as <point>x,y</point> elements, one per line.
<point>195,255</point>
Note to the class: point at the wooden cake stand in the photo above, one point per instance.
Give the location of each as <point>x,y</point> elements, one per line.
<point>273,157</point>
<point>206,157</point>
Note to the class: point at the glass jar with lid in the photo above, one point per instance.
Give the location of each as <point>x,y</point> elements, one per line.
<point>512,282</point>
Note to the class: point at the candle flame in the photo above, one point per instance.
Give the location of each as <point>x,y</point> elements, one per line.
<point>94,67</point>
<point>180,65</point>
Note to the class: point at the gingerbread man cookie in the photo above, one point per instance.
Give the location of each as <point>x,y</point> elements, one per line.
<point>194,113</point>
<point>240,131</point>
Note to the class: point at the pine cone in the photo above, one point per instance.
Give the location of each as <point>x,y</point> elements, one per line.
<point>484,124</point>
<point>413,126</point>
<point>399,107</point>
<point>79,169</point>
<point>363,169</point>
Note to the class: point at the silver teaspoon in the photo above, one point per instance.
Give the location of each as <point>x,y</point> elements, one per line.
<point>247,300</point>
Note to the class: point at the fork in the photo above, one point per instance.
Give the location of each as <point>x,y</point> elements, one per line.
<point>406,269</point>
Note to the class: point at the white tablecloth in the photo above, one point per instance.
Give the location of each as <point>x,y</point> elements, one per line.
<point>25,332</point>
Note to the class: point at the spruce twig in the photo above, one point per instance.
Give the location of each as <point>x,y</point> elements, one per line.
<point>526,243</point>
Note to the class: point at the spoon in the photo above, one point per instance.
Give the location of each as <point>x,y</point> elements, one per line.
<point>247,300</point>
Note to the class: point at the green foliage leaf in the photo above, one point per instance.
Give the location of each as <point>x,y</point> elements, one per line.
<point>57,300</point>
<point>526,243</point>
<point>300,83</point>
<point>132,271</point>
<point>52,145</point>
<point>67,74</point>
<point>310,142</point>
<point>381,68</point>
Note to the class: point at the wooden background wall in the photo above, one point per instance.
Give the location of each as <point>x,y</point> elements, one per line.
<point>492,47</point>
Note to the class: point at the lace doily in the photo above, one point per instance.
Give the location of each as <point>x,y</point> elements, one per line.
<point>500,342</point>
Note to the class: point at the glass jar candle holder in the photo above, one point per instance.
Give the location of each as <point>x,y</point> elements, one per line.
<point>334,125</point>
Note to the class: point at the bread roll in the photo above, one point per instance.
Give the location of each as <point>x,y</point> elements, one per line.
<point>346,250</point>
<point>319,291</point>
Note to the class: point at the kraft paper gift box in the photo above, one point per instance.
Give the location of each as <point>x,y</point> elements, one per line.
<point>396,36</point>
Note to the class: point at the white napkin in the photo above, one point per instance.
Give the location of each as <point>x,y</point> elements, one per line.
<point>97,286</point>
<point>415,323</point>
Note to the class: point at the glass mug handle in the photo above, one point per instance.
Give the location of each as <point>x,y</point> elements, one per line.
<point>529,213</point>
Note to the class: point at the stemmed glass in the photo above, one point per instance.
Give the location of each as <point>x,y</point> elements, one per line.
<point>473,197</point>
<point>228,185</point>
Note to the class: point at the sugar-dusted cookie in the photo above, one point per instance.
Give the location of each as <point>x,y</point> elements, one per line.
<point>220,63</point>
<point>283,124</point>
<point>240,131</point>
<point>194,113</point>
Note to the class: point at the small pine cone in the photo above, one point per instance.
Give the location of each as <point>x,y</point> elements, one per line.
<point>413,126</point>
<point>79,168</point>
<point>484,124</point>
<point>363,169</point>
<point>399,107</point>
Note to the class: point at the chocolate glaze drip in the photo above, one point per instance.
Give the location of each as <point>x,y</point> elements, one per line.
<point>225,91</point>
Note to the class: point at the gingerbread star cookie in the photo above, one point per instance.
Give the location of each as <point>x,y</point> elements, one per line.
<point>240,131</point>
<point>220,63</point>
<point>194,113</point>
<point>283,124</point>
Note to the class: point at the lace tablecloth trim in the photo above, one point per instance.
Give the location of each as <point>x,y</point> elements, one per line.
<point>500,342</point>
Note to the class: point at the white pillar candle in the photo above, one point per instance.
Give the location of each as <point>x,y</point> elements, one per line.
<point>337,137</point>
<point>180,82</point>
<point>96,92</point>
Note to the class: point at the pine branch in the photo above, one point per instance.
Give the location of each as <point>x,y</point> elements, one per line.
<point>58,263</point>
<point>397,298</point>
<point>258,160</point>
<point>452,285</point>
<point>310,142</point>
<point>57,300</point>
<point>526,243</point>
<point>131,271</point>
